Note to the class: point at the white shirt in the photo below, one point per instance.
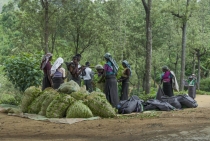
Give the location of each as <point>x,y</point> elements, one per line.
<point>88,74</point>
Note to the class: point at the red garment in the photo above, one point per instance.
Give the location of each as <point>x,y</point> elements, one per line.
<point>166,76</point>
<point>47,67</point>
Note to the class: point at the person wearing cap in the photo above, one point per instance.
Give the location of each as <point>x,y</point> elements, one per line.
<point>166,80</point>
<point>110,72</point>
<point>100,79</point>
<point>192,86</point>
<point>57,73</point>
<point>46,67</point>
<point>88,77</point>
<point>125,80</point>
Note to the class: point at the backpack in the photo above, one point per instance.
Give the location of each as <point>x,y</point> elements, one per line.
<point>133,104</point>
<point>83,72</point>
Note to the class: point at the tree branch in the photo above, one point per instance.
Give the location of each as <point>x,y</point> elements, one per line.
<point>145,5</point>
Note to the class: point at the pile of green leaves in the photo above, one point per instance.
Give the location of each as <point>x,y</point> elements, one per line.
<point>23,70</point>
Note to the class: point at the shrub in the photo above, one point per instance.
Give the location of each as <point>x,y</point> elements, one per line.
<point>205,84</point>
<point>23,70</point>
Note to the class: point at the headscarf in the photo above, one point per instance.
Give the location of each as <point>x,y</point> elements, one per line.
<point>45,59</point>
<point>99,67</point>
<point>165,68</point>
<point>127,65</point>
<point>109,57</point>
<point>55,66</point>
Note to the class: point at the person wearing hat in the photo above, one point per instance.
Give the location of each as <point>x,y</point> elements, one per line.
<point>57,73</point>
<point>46,67</point>
<point>166,80</point>
<point>192,86</point>
<point>88,77</point>
<point>110,72</point>
<point>125,80</point>
<point>100,78</point>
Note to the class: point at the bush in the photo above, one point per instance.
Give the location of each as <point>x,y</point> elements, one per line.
<point>205,84</point>
<point>23,70</point>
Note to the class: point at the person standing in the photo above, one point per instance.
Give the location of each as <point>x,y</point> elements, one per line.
<point>88,77</point>
<point>166,79</point>
<point>110,72</point>
<point>75,71</point>
<point>192,86</point>
<point>125,80</point>
<point>46,67</point>
<point>100,79</point>
<point>80,68</point>
<point>57,73</point>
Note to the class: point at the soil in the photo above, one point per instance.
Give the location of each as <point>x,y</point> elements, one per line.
<point>187,124</point>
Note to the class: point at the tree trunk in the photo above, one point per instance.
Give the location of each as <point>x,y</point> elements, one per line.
<point>199,71</point>
<point>147,7</point>
<point>184,28</point>
<point>45,6</point>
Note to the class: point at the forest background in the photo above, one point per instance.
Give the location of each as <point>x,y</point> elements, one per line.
<point>148,34</point>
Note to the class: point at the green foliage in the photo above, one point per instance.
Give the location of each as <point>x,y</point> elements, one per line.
<point>23,70</point>
<point>8,99</point>
<point>202,92</point>
<point>205,84</point>
<point>144,96</point>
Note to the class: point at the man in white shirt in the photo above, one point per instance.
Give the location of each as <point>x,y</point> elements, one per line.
<point>88,75</point>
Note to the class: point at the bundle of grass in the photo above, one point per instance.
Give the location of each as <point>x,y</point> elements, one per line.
<point>78,110</point>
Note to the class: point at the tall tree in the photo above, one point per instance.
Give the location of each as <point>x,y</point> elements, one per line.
<point>147,7</point>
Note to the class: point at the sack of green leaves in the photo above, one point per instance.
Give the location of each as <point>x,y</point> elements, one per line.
<point>99,105</point>
<point>78,110</point>
<point>69,87</point>
<point>59,106</point>
<point>29,95</point>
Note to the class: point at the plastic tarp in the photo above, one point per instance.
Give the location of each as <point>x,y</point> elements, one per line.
<point>37,117</point>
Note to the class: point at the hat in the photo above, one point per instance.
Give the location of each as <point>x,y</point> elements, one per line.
<point>165,68</point>
<point>107,56</point>
<point>99,67</point>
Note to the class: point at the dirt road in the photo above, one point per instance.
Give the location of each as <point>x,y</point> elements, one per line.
<point>188,124</point>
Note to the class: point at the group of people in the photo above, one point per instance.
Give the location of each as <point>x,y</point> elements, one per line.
<point>55,75</point>
<point>169,83</point>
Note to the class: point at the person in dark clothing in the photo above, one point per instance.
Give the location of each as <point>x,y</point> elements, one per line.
<point>46,67</point>
<point>57,73</point>
<point>166,79</point>
<point>125,80</point>
<point>75,70</point>
<point>110,80</point>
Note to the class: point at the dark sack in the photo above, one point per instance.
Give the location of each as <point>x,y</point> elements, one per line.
<point>150,107</point>
<point>83,72</point>
<point>159,93</point>
<point>161,105</point>
<point>133,104</point>
<point>173,100</point>
<point>187,101</point>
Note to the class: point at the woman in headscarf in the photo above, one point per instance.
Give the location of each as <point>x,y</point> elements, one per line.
<point>166,79</point>
<point>110,72</point>
<point>57,73</point>
<point>125,80</point>
<point>46,67</point>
